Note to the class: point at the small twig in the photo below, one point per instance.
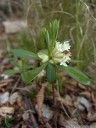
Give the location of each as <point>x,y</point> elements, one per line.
<point>28,106</point>
<point>22,89</point>
<point>53,92</point>
<point>63,106</point>
<point>6,81</point>
<point>65,111</point>
<point>15,85</point>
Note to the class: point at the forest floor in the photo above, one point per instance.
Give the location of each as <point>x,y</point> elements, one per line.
<point>73,107</point>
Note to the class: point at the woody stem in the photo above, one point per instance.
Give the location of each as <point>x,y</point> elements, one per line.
<point>53,92</point>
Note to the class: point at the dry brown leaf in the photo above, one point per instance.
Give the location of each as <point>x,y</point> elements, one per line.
<point>65,106</point>
<point>6,110</point>
<point>40,100</point>
<point>91,116</point>
<point>47,125</point>
<point>64,101</point>
<point>5,82</point>
<point>80,107</point>
<point>24,126</point>
<point>3,85</point>
<point>93,125</point>
<point>25,116</point>
<point>87,94</point>
<point>57,94</point>
<point>82,86</point>
<point>93,98</point>
<point>61,121</point>
<point>15,97</point>
<point>55,117</point>
<point>73,124</point>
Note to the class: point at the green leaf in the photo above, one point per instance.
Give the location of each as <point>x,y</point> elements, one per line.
<point>25,54</point>
<point>15,63</point>
<point>77,75</point>
<point>53,33</point>
<point>45,36</point>
<point>54,27</point>
<point>28,76</point>
<point>51,73</point>
<point>10,72</point>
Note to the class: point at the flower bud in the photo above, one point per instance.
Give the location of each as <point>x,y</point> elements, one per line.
<point>58,55</point>
<point>56,60</point>
<point>43,56</point>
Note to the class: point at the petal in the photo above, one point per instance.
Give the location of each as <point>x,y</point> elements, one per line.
<point>65,59</point>
<point>59,46</point>
<point>64,64</point>
<point>66,46</point>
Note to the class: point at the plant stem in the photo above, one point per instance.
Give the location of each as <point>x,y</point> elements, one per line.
<point>53,92</point>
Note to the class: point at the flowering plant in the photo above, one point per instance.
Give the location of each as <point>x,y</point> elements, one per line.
<point>58,54</point>
<point>55,54</point>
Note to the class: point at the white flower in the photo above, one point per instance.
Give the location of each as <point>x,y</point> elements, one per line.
<point>65,59</point>
<point>66,46</point>
<point>58,54</point>
<point>63,63</point>
<point>62,47</point>
<point>59,46</point>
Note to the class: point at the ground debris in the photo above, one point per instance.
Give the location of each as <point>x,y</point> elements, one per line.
<point>91,116</point>
<point>25,116</point>
<point>85,102</point>
<point>47,113</point>
<point>4,98</point>
<point>6,111</point>
<point>40,100</point>
<point>15,97</point>
<point>74,107</point>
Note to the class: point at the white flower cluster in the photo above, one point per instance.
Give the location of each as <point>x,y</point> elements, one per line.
<point>63,47</point>
<point>60,54</point>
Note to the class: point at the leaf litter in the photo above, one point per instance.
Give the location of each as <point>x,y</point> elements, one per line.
<point>75,107</point>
